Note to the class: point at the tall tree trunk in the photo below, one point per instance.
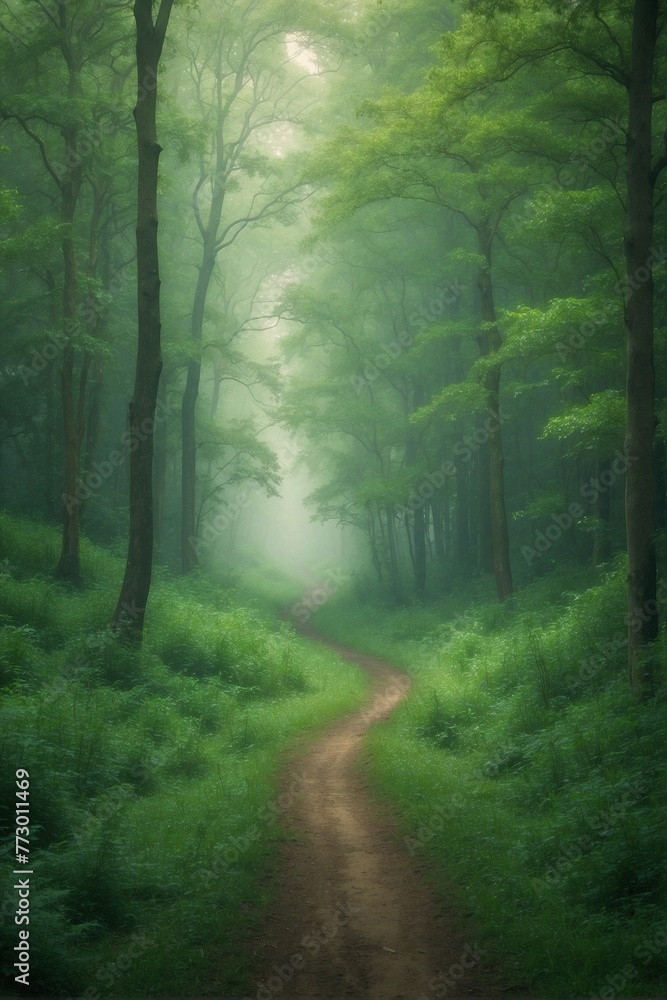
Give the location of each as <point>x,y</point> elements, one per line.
<point>438,531</point>
<point>484,525</point>
<point>372,538</point>
<point>408,535</point>
<point>160,470</point>
<point>489,341</point>
<point>394,570</point>
<point>462,515</point>
<point>640,427</point>
<point>418,551</point>
<point>188,421</point>
<point>215,394</point>
<point>446,519</point>
<point>209,233</point>
<point>419,531</point>
<point>128,618</point>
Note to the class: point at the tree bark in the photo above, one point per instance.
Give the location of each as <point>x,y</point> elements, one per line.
<point>394,569</point>
<point>484,526</point>
<point>419,532</point>
<point>188,420</point>
<point>489,342</point>
<point>640,427</point>
<point>462,515</point>
<point>160,471</point>
<point>418,549</point>
<point>372,538</point>
<point>209,232</point>
<point>128,619</point>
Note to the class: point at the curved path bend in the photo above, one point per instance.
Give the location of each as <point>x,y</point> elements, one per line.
<point>353,916</point>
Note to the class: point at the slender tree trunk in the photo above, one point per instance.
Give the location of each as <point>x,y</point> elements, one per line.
<point>215,395</point>
<point>418,552</point>
<point>372,538</point>
<point>489,342</point>
<point>438,531</point>
<point>462,515</point>
<point>188,420</point>
<point>408,535</point>
<point>394,570</point>
<point>419,531</point>
<point>128,619</point>
<point>484,525</point>
<point>209,233</point>
<point>640,427</point>
<point>446,519</point>
<point>160,470</point>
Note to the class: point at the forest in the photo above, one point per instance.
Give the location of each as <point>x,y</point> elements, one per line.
<point>333,499</point>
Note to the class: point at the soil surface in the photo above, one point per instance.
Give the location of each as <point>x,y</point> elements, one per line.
<point>354,916</point>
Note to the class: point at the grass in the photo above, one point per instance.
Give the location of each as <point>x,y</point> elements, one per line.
<point>528,777</point>
<point>153,780</point>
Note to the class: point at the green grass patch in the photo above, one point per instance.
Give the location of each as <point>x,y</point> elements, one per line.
<point>154,800</point>
<point>527,775</point>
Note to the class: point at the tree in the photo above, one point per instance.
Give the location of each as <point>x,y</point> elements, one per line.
<point>641,173</point>
<point>614,43</point>
<point>67,47</point>
<point>128,619</point>
<point>246,85</point>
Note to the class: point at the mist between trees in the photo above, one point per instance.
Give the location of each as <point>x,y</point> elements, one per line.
<point>384,293</point>
<point>350,316</point>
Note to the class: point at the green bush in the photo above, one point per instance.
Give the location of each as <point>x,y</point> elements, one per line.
<point>527,773</point>
<point>143,766</point>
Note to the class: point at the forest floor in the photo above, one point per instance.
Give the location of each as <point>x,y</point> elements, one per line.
<point>353,914</point>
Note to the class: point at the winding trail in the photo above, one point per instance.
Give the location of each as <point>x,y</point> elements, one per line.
<point>354,916</point>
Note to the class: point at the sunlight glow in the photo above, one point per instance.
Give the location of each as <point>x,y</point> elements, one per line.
<point>299,53</point>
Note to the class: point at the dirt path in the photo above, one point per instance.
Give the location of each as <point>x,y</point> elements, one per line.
<point>354,917</point>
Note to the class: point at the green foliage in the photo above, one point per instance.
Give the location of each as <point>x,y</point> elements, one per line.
<point>525,773</point>
<point>130,757</point>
